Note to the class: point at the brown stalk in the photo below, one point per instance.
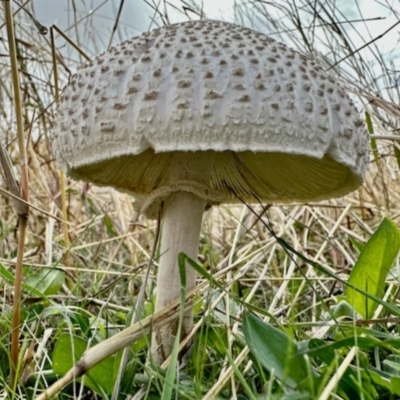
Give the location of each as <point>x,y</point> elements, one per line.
<point>75,46</point>
<point>22,209</point>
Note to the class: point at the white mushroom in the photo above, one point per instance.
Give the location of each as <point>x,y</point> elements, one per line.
<point>202,113</point>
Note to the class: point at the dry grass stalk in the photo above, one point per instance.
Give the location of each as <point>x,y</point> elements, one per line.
<point>21,209</point>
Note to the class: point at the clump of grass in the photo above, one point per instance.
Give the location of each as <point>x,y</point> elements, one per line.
<point>86,253</point>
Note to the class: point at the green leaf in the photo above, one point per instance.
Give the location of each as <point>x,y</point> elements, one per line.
<point>357,244</point>
<point>108,222</point>
<point>365,343</point>
<point>217,340</point>
<point>67,352</point>
<point>46,280</point>
<point>390,383</point>
<point>7,275</point>
<point>394,365</point>
<point>276,351</point>
<point>372,267</point>
<point>69,349</point>
<point>327,354</point>
<point>343,309</point>
<point>370,128</point>
<point>395,385</point>
<point>397,155</point>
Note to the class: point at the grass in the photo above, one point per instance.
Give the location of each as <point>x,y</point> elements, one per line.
<point>86,252</point>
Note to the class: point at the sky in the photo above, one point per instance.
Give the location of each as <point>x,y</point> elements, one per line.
<point>136,16</point>
<point>96,19</point>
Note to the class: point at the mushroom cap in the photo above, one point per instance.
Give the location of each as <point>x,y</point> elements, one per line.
<point>282,128</point>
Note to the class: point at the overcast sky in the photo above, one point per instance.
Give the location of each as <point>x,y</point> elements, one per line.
<point>136,15</point>
<point>97,17</point>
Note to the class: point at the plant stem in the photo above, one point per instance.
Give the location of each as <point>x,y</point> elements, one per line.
<point>17,302</point>
<point>22,209</point>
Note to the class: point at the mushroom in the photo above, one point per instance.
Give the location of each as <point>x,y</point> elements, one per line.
<point>201,113</point>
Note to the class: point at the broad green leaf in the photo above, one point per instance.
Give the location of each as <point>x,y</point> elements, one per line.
<point>46,280</point>
<point>67,352</point>
<point>275,351</point>
<point>69,349</point>
<point>11,278</point>
<point>372,267</point>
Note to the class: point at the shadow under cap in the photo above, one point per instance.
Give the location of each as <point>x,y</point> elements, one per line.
<point>248,176</point>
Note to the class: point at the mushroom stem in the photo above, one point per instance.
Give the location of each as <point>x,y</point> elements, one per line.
<point>181,231</point>
<point>182,216</point>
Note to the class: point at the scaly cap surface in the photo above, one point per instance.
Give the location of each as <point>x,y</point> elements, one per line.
<point>283,128</point>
